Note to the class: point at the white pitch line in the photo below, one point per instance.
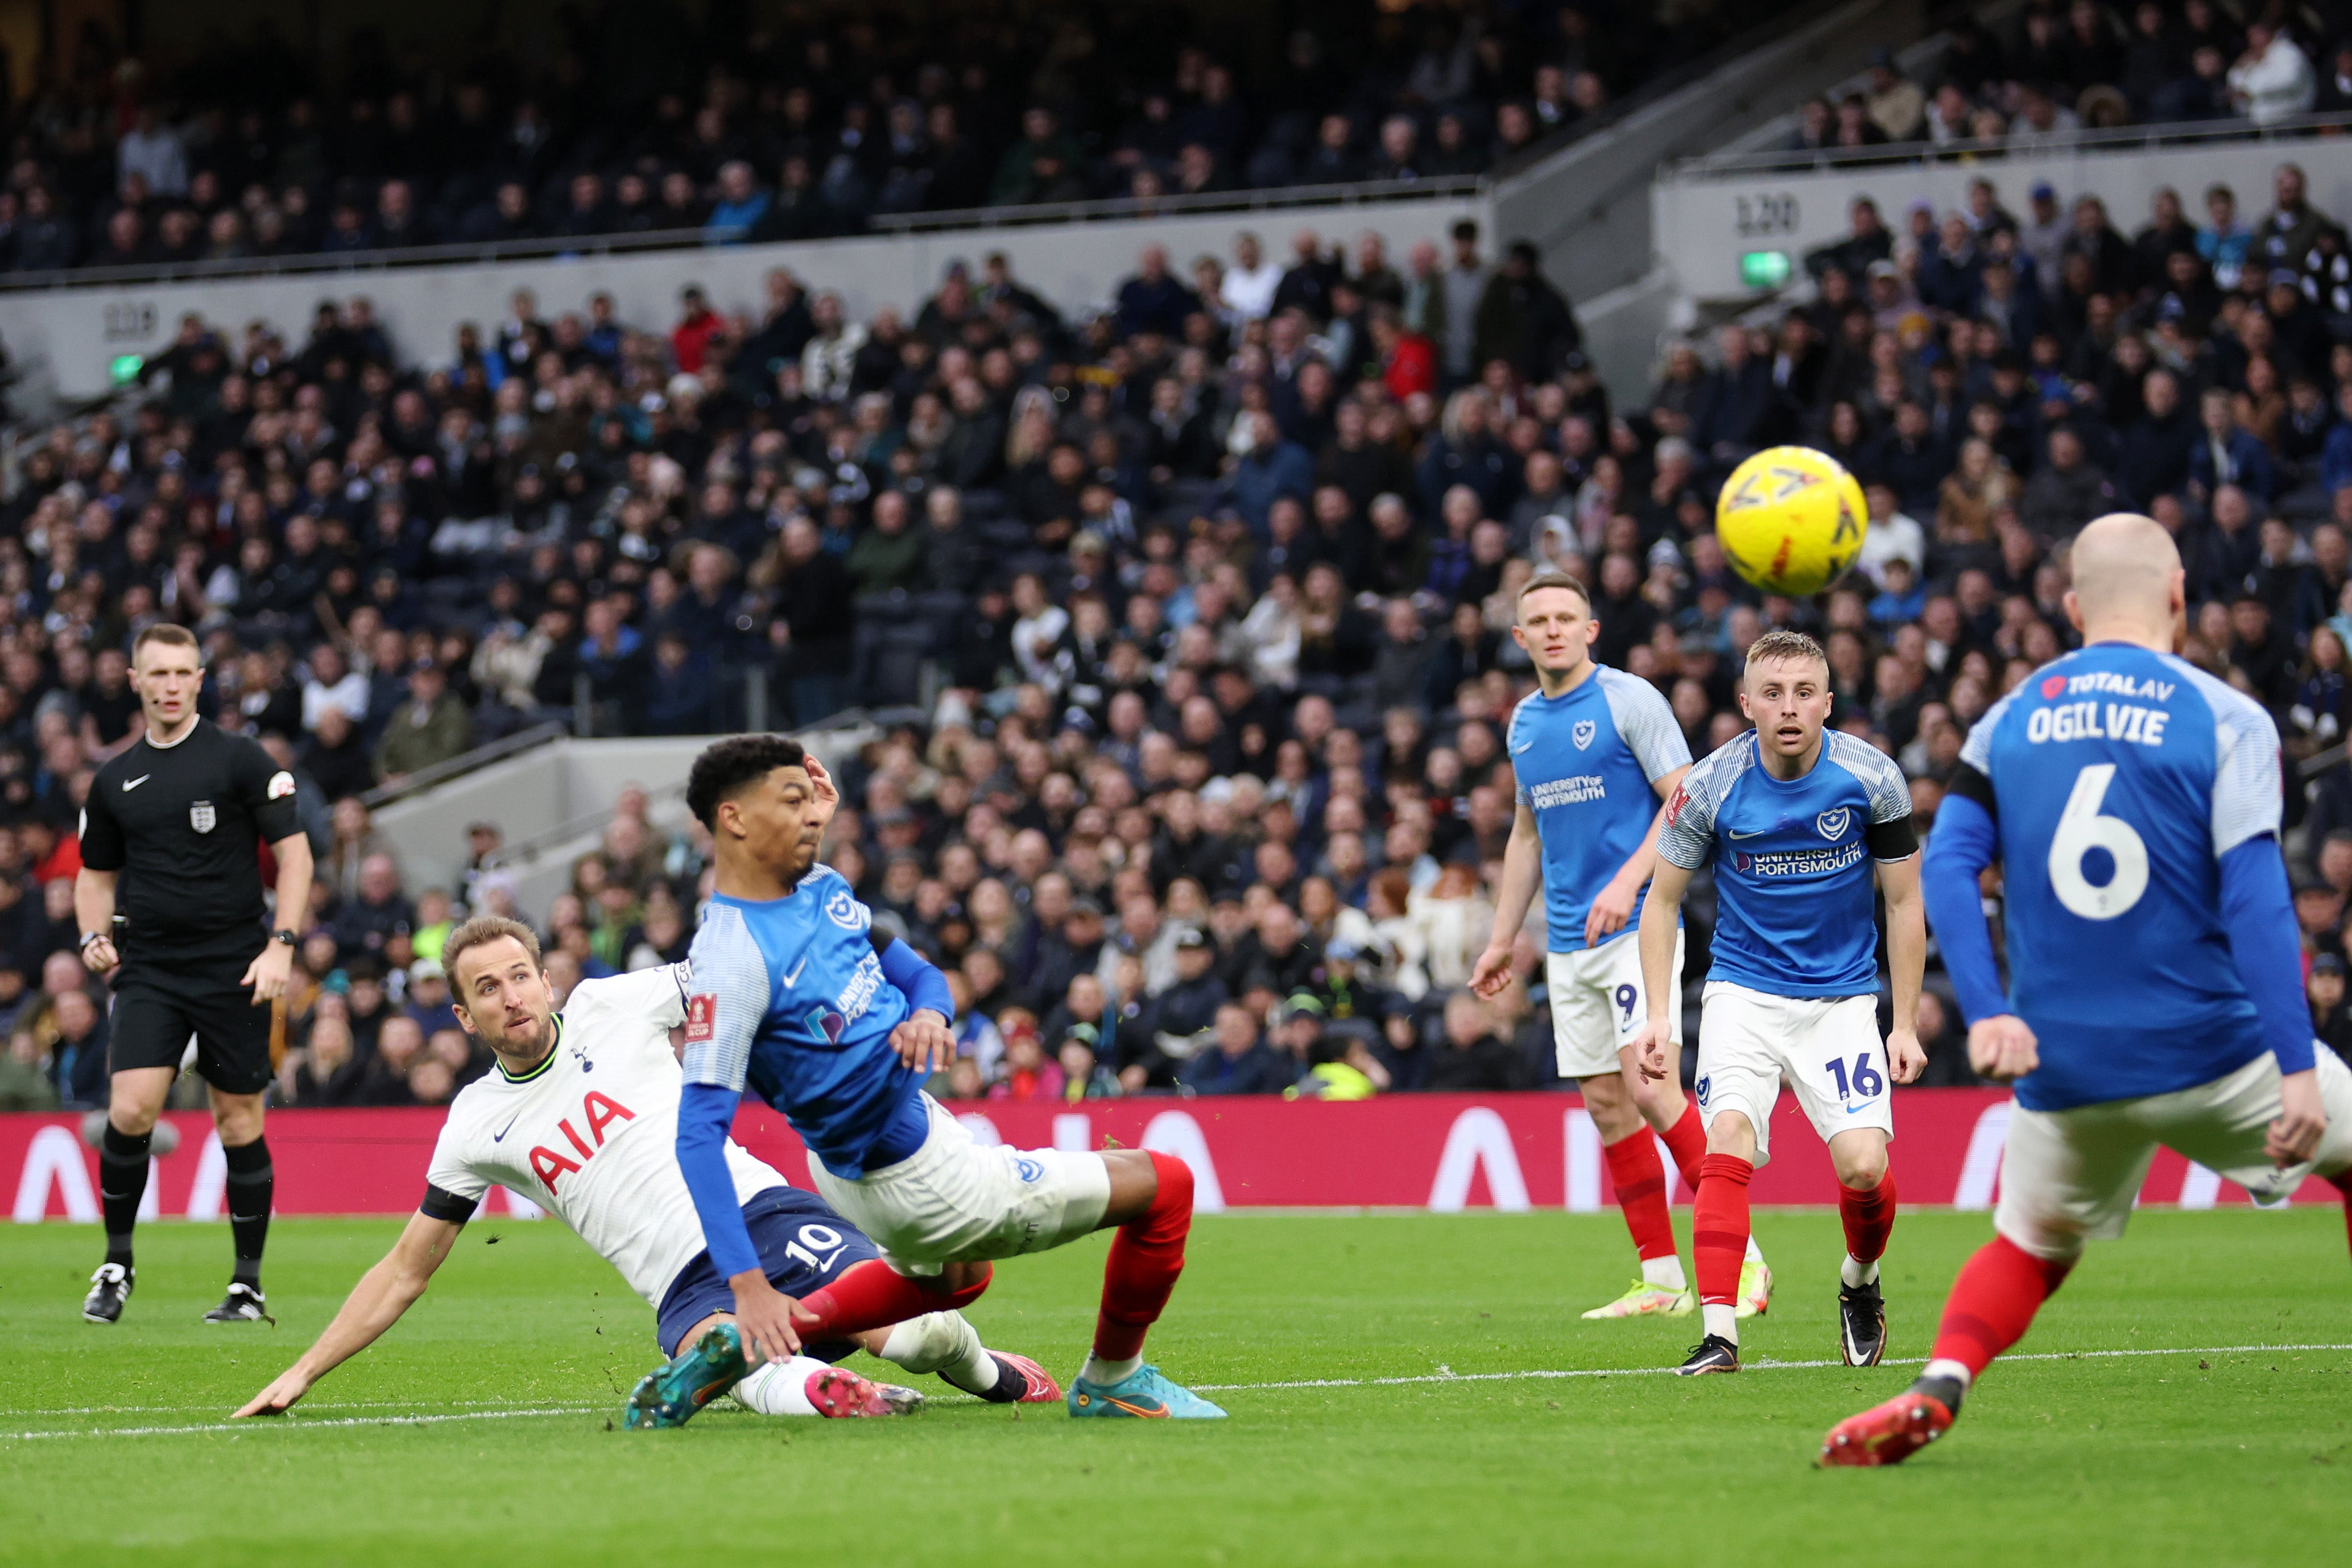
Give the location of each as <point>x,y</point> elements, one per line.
<point>1437,1377</point>
<point>1745,1367</point>
<point>263,1425</point>
<point>310,1406</point>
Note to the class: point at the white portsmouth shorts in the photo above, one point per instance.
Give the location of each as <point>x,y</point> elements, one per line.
<point>2071,1176</point>
<point>1597,1003</point>
<point>1827,1047</point>
<point>956,1201</point>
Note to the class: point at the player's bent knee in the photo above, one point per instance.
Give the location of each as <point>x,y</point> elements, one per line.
<point>1172,1185</point>
<point>1731,1134</point>
<point>1861,1169</point>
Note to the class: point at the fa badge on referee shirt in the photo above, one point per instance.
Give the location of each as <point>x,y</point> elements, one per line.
<point>202,817</point>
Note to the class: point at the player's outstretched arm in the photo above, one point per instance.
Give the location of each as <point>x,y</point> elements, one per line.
<point>926,1040</point>
<point>1906,956</point>
<point>375,1303</point>
<point>1514,890</point>
<point>1661,922</point>
<point>1614,904</point>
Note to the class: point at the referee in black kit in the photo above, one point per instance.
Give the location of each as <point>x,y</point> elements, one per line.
<point>170,905</point>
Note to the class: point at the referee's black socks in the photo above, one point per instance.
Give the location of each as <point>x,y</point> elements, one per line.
<point>122,1183</point>
<point>251,1186</point>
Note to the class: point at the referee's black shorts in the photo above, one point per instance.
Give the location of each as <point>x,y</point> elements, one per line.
<point>158,1006</point>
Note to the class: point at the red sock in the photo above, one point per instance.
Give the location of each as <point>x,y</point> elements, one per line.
<point>1868,1217</point>
<point>1720,1227</point>
<point>1640,1182</point>
<point>872,1295</point>
<point>2342,1182</point>
<point>1993,1301</point>
<point>1146,1256</point>
<point>1687,1142</point>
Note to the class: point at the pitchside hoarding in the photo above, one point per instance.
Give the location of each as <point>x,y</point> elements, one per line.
<point>1440,1152</point>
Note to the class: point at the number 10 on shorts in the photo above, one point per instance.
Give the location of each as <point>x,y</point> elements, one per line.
<point>1866,1084</point>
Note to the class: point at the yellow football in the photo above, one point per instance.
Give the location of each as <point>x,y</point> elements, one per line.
<point>1790,520</point>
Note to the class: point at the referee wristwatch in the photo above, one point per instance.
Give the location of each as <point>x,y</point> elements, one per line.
<point>291,939</point>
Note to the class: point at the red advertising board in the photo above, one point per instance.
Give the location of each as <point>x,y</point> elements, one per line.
<point>1441,1152</point>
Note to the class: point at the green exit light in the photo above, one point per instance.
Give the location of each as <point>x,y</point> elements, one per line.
<point>1764,268</point>
<point>125,368</point>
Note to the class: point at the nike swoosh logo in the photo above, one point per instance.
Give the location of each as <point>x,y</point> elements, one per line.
<point>131,784</point>
<point>1523,750</point>
<point>500,1137</point>
<point>794,977</point>
<point>1736,833</point>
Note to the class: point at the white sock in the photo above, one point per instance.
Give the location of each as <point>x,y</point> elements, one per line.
<point>944,1343</point>
<point>1853,1271</point>
<point>1665,1273</point>
<point>1755,1253</point>
<point>1722,1322</point>
<point>1098,1370</point>
<point>1945,1366</point>
<point>779,1388</point>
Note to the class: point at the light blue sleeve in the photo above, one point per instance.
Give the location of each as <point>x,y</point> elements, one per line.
<point>2248,800</point>
<point>727,1000</point>
<point>1646,722</point>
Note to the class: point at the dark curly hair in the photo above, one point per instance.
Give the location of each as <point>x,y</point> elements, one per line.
<point>725,767</point>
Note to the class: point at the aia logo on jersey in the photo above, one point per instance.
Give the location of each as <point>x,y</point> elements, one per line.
<point>2052,685</point>
<point>701,1018</point>
<point>1583,733</point>
<point>844,910</point>
<point>1833,825</point>
<point>600,1111</point>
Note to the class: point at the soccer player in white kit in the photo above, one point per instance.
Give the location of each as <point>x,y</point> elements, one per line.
<point>2156,995</point>
<point>1793,819</point>
<point>579,1116</point>
<point>1594,750</point>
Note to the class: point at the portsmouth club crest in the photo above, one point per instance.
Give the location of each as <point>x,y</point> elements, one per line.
<point>202,817</point>
<point>1833,824</point>
<point>843,910</point>
<point>1584,731</point>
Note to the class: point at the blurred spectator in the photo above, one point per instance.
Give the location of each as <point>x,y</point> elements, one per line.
<point>1473,1059</point>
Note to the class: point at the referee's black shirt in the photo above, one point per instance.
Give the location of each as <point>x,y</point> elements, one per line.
<point>182,823</point>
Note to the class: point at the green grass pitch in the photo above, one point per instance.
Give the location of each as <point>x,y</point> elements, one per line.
<point>2182,1452</point>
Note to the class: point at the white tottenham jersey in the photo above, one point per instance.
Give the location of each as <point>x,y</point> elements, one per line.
<point>592,1135</point>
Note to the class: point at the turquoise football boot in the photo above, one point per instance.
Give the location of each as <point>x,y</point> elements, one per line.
<point>670,1394</point>
<point>1143,1393</point>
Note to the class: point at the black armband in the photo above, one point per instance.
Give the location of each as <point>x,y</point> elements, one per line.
<point>1893,840</point>
<point>447,1206</point>
<point>1968,783</point>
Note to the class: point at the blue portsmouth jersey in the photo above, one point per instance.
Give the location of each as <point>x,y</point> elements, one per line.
<point>1585,761</point>
<point>2120,778</point>
<point>1796,907</point>
<point>790,1000</point>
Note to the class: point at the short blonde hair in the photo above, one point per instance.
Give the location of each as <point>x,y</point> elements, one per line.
<point>1782,644</point>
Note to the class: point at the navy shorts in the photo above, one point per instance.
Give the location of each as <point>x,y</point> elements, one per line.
<point>804,1246</point>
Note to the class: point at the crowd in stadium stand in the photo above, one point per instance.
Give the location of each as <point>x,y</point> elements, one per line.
<point>1205,789</point>
<point>648,123</point>
<point>2083,65</point>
